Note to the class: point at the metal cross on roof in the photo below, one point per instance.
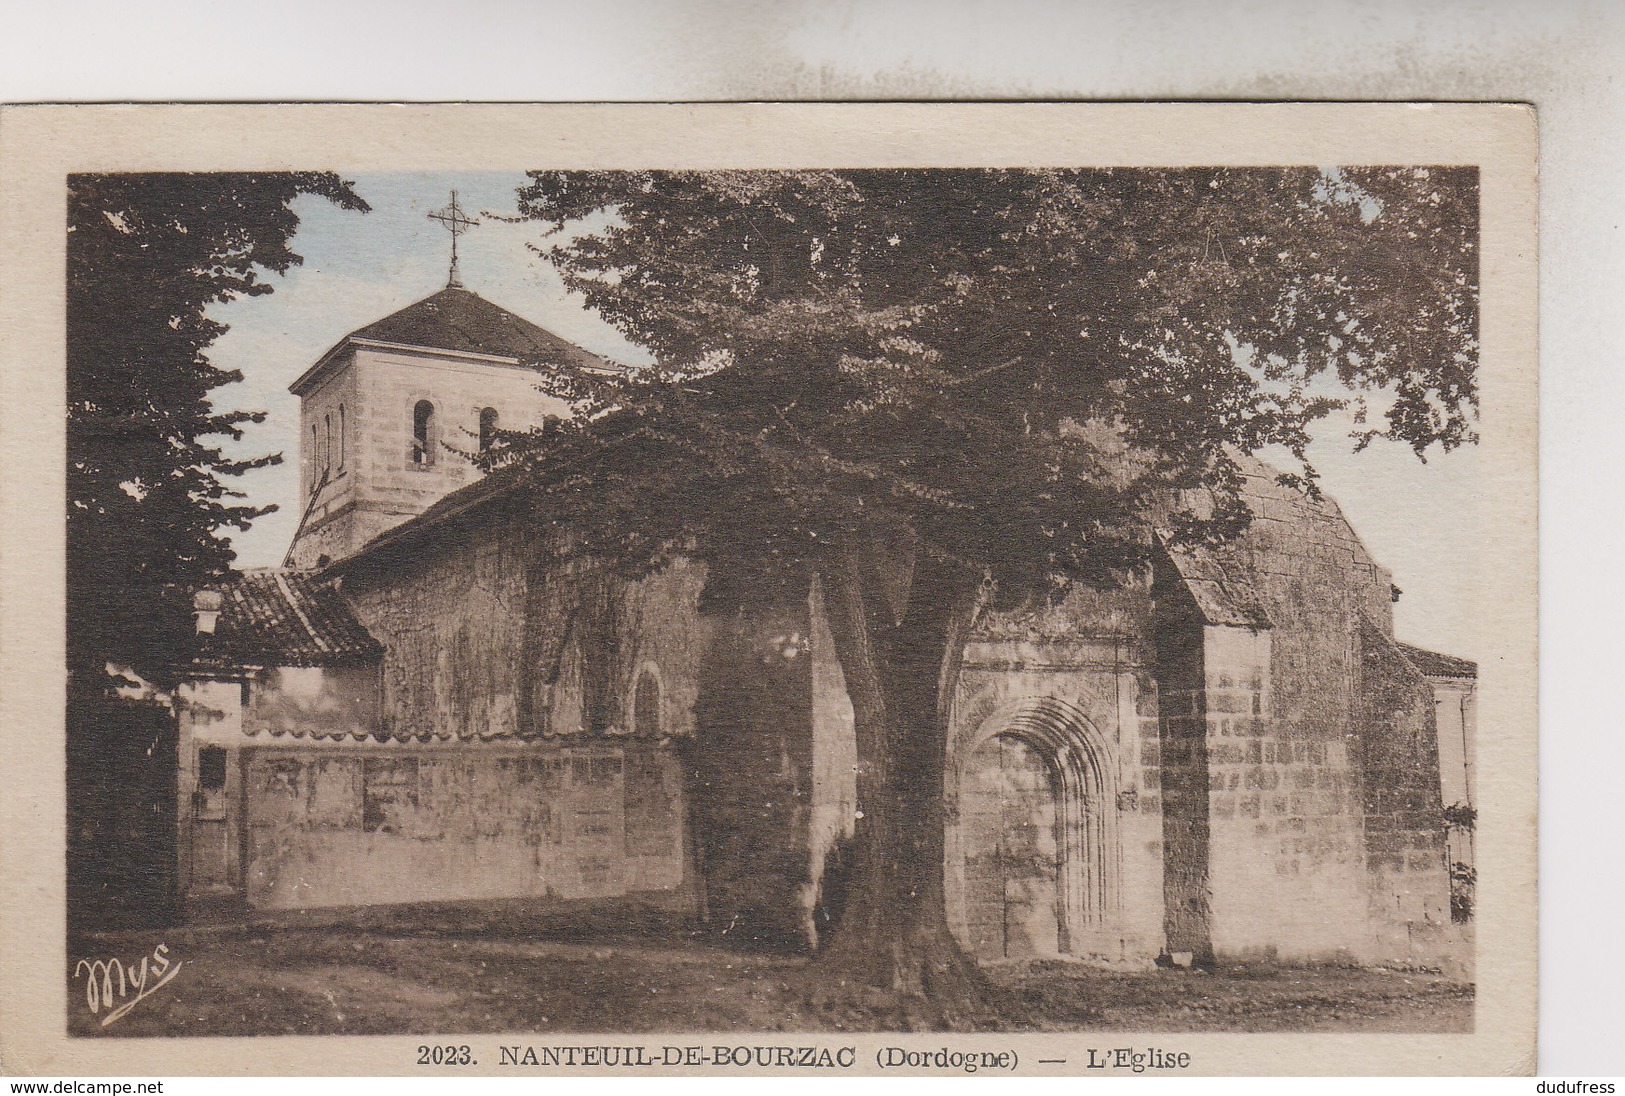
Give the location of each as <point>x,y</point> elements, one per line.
<point>457,223</point>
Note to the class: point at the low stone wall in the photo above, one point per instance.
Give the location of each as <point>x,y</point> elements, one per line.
<point>334,826</point>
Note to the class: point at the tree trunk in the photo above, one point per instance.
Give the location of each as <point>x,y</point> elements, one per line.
<point>892,947</point>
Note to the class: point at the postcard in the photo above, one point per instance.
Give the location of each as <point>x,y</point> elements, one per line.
<point>819,589</point>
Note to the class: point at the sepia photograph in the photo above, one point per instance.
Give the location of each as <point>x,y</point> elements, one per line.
<point>1014,597</point>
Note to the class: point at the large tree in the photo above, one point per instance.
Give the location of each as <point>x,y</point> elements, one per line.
<point>922,387</point>
<point>148,480</point>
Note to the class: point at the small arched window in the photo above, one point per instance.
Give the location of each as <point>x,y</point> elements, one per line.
<point>327,446</point>
<point>646,706</point>
<point>488,428</point>
<point>315,455</point>
<point>423,437</point>
<point>341,437</point>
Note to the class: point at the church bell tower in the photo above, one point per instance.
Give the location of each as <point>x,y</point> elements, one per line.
<point>389,415</point>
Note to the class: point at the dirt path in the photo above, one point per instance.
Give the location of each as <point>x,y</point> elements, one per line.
<point>310,981</point>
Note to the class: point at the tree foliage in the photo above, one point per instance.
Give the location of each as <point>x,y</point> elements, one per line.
<point>1021,363</point>
<point>917,387</point>
<point>147,477</point>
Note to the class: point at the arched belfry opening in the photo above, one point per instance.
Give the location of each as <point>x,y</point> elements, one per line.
<point>423,434</point>
<point>1034,858</point>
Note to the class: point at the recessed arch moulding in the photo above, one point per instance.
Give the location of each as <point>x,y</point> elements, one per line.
<point>1077,706</point>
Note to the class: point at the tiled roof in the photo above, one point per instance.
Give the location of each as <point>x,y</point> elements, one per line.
<point>457,319</point>
<point>1434,664</point>
<point>278,617</point>
<point>461,321</point>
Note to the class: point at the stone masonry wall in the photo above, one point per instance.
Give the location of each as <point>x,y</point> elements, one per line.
<point>1248,761</point>
<point>486,635</point>
<point>834,768</point>
<point>1284,726</point>
<point>505,704</point>
<point>1088,653</point>
<point>391,382</point>
<point>378,485</point>
<point>1181,747</point>
<point>750,770</point>
<point>328,515</point>
<point>452,625</point>
<point>319,409</point>
<point>1398,760</point>
<point>1284,852</point>
<point>328,826</point>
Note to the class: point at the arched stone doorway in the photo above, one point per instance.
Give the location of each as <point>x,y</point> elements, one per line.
<point>1033,854</point>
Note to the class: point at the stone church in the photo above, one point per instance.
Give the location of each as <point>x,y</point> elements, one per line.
<point>1234,760</point>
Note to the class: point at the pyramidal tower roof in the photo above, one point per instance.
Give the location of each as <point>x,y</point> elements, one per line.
<point>461,321</point>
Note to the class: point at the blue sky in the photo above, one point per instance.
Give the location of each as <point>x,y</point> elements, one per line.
<point>1420,520</point>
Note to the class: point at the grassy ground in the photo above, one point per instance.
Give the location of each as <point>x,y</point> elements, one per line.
<point>320,980</point>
